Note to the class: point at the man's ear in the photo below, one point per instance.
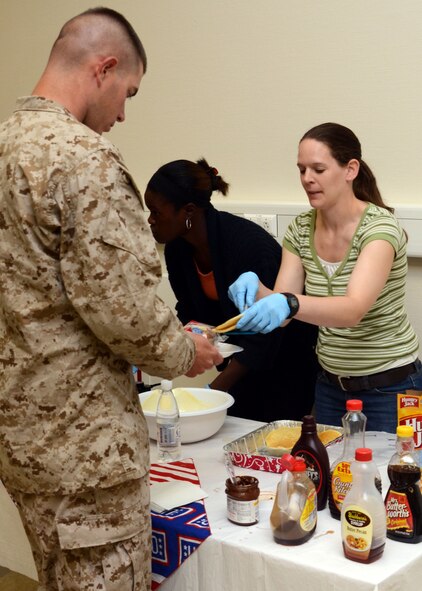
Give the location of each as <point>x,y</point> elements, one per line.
<point>352,169</point>
<point>104,66</point>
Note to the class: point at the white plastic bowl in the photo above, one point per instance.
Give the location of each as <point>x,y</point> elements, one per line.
<point>196,425</point>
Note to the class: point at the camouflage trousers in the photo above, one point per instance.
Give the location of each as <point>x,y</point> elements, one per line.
<point>98,540</point>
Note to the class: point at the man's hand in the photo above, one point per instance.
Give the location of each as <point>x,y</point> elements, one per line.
<point>206,357</point>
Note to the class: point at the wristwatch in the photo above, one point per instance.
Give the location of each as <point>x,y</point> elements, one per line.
<point>292,302</point>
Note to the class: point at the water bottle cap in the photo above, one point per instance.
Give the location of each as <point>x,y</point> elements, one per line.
<point>354,405</point>
<point>405,431</point>
<point>166,385</point>
<point>363,454</point>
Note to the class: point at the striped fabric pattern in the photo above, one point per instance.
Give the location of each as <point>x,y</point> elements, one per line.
<point>179,532</point>
<point>179,470</point>
<point>384,335</point>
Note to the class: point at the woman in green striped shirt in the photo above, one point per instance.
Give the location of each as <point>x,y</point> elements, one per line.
<point>348,254</point>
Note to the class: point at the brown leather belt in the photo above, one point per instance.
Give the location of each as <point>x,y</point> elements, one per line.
<point>375,380</point>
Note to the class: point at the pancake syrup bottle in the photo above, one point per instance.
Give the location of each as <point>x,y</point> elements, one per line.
<point>363,518</point>
<point>294,515</point>
<point>403,502</point>
<point>312,450</point>
<point>354,424</point>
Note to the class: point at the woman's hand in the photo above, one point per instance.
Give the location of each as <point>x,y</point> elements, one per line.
<point>244,290</point>
<point>265,315</point>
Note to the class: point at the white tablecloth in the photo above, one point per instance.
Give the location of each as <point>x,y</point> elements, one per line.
<point>236,558</point>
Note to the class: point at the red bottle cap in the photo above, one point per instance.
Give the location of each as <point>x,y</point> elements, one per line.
<point>299,465</point>
<point>287,461</point>
<point>363,454</point>
<point>354,405</point>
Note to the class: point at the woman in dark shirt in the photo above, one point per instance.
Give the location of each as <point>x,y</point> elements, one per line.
<point>206,250</point>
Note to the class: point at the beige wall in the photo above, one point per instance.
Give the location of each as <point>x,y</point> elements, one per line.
<point>239,82</point>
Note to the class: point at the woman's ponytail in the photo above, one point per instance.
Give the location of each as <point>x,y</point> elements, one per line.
<point>366,189</point>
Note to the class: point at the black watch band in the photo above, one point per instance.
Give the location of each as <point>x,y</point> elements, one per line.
<point>292,302</point>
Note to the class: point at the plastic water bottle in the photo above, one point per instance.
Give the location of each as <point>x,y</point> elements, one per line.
<point>168,425</point>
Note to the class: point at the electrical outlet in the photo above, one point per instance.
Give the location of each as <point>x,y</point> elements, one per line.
<point>266,221</point>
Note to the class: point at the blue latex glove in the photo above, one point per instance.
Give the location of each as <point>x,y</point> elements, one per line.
<point>243,291</point>
<point>266,314</point>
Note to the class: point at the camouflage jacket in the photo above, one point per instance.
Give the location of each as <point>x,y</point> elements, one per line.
<point>78,305</point>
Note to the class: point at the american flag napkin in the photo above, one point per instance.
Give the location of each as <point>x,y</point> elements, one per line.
<point>176,533</point>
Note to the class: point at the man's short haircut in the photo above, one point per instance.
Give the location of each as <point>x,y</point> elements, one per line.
<point>125,24</point>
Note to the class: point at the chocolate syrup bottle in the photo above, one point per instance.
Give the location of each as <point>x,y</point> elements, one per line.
<point>312,450</point>
<point>403,502</point>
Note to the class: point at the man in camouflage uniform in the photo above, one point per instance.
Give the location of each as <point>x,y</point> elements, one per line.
<point>78,306</point>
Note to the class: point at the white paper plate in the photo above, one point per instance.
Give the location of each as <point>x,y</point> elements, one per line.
<point>227,349</point>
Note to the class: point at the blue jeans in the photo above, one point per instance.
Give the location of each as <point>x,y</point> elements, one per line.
<point>379,404</point>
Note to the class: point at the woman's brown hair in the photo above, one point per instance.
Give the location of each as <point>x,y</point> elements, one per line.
<point>345,146</point>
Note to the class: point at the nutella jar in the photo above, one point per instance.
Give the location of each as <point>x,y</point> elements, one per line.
<point>242,500</point>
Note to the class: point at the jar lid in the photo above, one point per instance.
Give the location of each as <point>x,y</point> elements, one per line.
<point>363,454</point>
<point>242,483</point>
<point>405,431</point>
<point>354,404</point>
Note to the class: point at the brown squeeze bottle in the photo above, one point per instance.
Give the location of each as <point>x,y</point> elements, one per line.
<point>294,515</point>
<point>312,450</point>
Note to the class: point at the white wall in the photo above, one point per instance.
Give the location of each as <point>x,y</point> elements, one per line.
<point>239,81</point>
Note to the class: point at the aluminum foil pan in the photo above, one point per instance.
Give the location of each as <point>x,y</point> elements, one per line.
<point>251,450</point>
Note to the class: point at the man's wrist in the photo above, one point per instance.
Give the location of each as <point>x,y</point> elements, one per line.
<point>292,302</point>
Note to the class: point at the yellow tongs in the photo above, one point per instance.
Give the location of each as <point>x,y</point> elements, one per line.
<point>227,326</point>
